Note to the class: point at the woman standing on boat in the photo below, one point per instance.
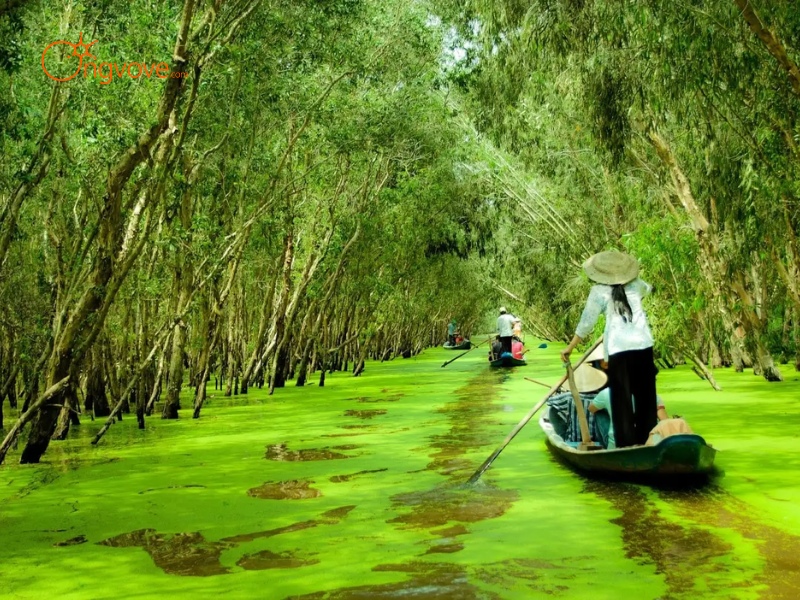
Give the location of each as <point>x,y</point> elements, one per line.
<point>627,340</point>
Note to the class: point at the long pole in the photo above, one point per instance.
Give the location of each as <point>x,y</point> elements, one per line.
<point>477,474</point>
<point>547,385</point>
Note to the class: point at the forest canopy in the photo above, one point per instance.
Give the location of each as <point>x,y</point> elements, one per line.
<point>298,187</point>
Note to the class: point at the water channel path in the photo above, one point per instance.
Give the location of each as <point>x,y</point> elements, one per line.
<point>357,490</point>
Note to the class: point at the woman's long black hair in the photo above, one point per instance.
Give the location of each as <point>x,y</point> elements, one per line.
<point>621,303</point>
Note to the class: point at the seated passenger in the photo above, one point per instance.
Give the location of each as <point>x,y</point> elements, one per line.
<point>666,427</point>
<point>597,359</point>
<point>516,348</point>
<point>497,348</point>
<point>563,414</point>
<point>601,404</point>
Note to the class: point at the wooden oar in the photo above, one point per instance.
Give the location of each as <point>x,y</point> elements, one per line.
<point>586,436</point>
<point>463,353</point>
<point>477,474</point>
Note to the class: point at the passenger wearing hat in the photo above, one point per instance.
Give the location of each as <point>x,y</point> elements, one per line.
<point>505,328</point>
<point>628,342</point>
<point>517,329</point>
<point>563,413</point>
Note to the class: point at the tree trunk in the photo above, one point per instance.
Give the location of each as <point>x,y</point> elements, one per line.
<point>701,369</point>
<point>68,416</point>
<point>210,339</point>
<point>172,401</point>
<point>96,399</point>
<point>751,318</point>
<point>302,371</point>
<point>358,369</point>
<point>156,391</point>
<point>280,369</point>
<point>771,42</point>
<point>114,254</point>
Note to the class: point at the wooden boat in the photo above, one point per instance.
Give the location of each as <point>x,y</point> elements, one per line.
<point>684,454</point>
<point>465,345</point>
<point>507,360</point>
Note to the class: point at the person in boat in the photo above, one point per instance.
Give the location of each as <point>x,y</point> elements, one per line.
<point>601,404</point>
<point>517,329</point>
<point>452,327</point>
<point>459,338</point>
<point>505,328</point>
<point>666,427</point>
<point>600,408</point>
<point>517,348</point>
<point>563,413</point>
<point>497,349</point>
<point>591,385</point>
<point>628,342</point>
<point>597,359</point>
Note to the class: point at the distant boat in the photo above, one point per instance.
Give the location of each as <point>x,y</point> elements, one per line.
<point>507,360</point>
<point>682,454</point>
<point>465,345</point>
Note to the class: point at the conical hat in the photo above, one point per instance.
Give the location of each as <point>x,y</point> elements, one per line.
<point>611,268</point>
<point>597,354</point>
<point>588,379</point>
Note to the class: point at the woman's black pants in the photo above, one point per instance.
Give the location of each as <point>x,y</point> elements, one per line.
<point>632,374</point>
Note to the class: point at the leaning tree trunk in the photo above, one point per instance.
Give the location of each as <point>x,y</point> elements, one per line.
<point>183,282</point>
<point>231,353</point>
<point>796,340</point>
<point>112,261</point>
<point>146,382</point>
<point>701,368</point>
<point>213,337</point>
<point>68,416</point>
<point>262,336</point>
<point>710,264</point>
<point>752,322</point>
<point>210,340</point>
<point>96,399</point>
<point>302,370</point>
<point>174,373</point>
<point>280,369</point>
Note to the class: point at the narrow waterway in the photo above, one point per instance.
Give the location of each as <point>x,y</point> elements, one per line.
<point>357,490</point>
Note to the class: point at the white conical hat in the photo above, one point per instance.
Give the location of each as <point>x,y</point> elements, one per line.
<point>597,354</point>
<point>588,379</point>
<point>611,267</point>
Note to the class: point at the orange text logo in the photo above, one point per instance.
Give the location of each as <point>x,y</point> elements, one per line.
<point>84,60</point>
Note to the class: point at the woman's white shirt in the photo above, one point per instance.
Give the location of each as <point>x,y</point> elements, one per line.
<point>620,335</point>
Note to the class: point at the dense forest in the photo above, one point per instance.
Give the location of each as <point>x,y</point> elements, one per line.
<point>307,186</point>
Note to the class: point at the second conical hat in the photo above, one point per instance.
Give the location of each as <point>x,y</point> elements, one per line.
<point>597,354</point>
<point>588,379</point>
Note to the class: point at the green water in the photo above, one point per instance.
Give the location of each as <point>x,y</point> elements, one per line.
<point>355,490</point>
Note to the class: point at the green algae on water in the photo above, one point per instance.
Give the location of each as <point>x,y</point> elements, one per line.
<point>255,500</point>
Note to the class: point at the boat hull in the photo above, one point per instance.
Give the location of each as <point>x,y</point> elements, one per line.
<point>465,345</point>
<point>506,360</point>
<point>684,454</point>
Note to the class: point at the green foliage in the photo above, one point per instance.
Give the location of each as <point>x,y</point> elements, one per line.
<point>569,92</point>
